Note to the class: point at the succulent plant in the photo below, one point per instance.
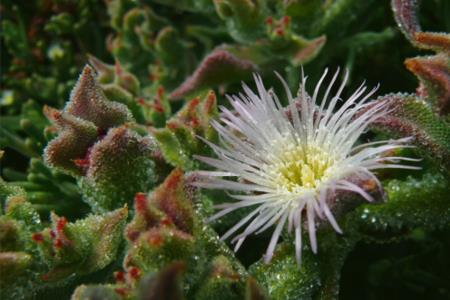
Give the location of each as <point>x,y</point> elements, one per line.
<point>105,190</point>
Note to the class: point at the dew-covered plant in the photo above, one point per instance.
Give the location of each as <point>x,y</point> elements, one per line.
<point>125,168</point>
<point>294,161</point>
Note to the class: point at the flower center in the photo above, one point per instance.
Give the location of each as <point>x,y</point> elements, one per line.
<point>299,169</point>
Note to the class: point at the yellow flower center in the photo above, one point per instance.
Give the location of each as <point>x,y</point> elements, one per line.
<point>301,168</point>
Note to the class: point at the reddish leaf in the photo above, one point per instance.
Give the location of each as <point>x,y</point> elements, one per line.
<point>218,67</point>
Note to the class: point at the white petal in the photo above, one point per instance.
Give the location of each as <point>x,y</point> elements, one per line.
<point>274,239</point>
<point>311,229</point>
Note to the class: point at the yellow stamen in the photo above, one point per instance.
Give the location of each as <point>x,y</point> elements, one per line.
<point>301,168</point>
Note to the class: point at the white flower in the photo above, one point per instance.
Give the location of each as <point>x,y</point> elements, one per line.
<point>287,160</point>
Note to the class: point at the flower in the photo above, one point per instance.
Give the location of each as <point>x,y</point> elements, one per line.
<point>289,160</point>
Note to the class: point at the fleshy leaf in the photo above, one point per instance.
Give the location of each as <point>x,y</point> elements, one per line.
<point>76,135</point>
<point>9,235</point>
<point>166,228</point>
<point>170,204</point>
<point>405,15</point>
<point>8,191</point>
<point>178,141</point>
<point>437,41</point>
<point>434,72</point>
<point>20,265</point>
<point>82,247</point>
<point>412,203</point>
<point>13,264</point>
<point>119,85</point>
<point>162,226</point>
<point>94,292</point>
<point>105,72</point>
<point>222,282</point>
<point>169,47</point>
<point>116,168</point>
<point>18,208</point>
<point>88,102</point>
<point>232,63</point>
<point>126,79</point>
<point>169,198</point>
<point>16,225</point>
<point>283,279</point>
<point>164,285</point>
<point>159,246</point>
<point>111,164</point>
<point>244,18</point>
<point>254,291</point>
<point>218,67</point>
<point>411,116</point>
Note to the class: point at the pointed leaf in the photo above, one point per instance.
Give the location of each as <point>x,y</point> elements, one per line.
<point>117,167</point>
<point>219,67</point>
<point>76,136</point>
<point>411,116</point>
<point>88,102</point>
